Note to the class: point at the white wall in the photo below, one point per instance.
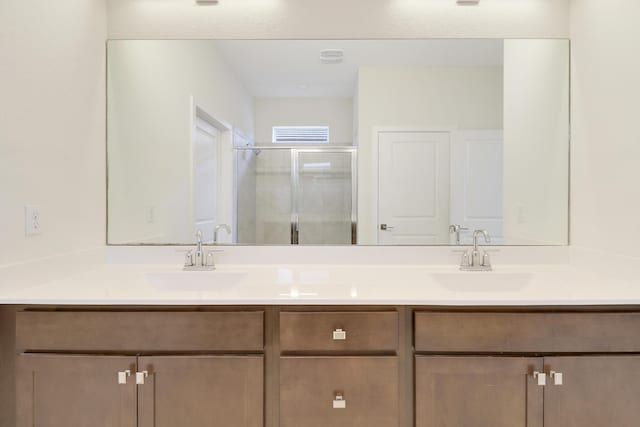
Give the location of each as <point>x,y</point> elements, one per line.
<point>605,211</point>
<point>337,19</point>
<point>52,125</point>
<point>536,141</point>
<point>417,98</point>
<point>151,85</point>
<point>337,113</point>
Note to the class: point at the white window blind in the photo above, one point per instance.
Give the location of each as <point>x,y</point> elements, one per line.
<point>301,134</point>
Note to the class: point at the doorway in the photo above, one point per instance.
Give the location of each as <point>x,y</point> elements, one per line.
<point>303,196</point>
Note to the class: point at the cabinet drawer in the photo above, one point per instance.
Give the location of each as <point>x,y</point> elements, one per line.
<point>363,331</point>
<point>139,331</point>
<point>527,332</point>
<point>310,385</point>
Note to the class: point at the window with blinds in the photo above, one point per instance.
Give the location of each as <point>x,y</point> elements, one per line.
<point>301,134</point>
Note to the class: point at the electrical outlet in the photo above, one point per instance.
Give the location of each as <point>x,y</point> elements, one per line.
<point>32,220</point>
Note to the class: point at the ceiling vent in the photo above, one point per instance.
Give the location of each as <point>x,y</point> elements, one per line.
<point>331,56</point>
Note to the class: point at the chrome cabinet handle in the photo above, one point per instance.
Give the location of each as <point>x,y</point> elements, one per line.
<point>339,402</point>
<point>541,377</point>
<point>339,335</point>
<point>140,377</point>
<point>557,377</point>
<point>123,375</point>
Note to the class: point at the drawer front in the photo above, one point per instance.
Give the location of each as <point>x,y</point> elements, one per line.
<point>361,331</point>
<point>527,332</point>
<point>140,331</point>
<point>311,387</point>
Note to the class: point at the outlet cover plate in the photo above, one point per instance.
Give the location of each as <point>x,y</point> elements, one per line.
<point>32,220</point>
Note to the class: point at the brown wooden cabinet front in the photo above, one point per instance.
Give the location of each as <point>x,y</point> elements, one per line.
<point>75,391</point>
<point>596,391</point>
<point>201,391</point>
<point>194,391</point>
<point>478,391</point>
<point>368,387</point>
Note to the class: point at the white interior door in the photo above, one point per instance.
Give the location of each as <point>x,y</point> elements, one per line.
<point>205,176</point>
<point>477,183</point>
<point>413,188</point>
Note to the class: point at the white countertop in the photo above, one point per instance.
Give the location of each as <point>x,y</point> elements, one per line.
<point>433,285</point>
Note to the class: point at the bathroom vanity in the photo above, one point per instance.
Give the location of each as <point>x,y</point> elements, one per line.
<point>316,365</point>
<point>313,345</point>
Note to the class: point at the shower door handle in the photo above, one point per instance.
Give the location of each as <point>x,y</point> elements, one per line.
<point>295,230</point>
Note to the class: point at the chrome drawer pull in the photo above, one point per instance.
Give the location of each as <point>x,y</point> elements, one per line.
<point>557,377</point>
<point>541,377</point>
<point>140,377</point>
<point>123,375</point>
<point>339,335</point>
<point>339,402</point>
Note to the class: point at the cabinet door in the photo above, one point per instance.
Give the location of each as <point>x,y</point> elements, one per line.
<point>75,391</point>
<point>199,391</point>
<point>478,392</point>
<point>339,392</point>
<point>596,391</point>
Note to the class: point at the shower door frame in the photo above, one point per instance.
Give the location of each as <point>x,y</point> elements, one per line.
<point>295,187</point>
<point>294,152</point>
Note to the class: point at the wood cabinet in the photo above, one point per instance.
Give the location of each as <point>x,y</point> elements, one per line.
<point>580,390</point>
<point>201,391</point>
<point>339,392</point>
<point>194,391</point>
<point>75,391</point>
<point>386,367</point>
<point>63,380</point>
<point>596,391</point>
<point>478,391</point>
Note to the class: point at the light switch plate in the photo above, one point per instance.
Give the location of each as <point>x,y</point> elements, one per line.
<point>32,225</point>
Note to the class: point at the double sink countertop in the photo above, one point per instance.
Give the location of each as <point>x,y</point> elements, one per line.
<point>326,284</point>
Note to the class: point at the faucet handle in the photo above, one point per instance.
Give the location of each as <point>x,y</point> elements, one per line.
<point>208,261</point>
<point>465,262</point>
<point>188,259</point>
<point>486,260</point>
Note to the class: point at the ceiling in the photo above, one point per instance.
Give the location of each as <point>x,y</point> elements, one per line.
<point>292,68</point>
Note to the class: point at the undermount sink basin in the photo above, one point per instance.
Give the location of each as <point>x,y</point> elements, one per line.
<point>194,280</point>
<point>483,281</point>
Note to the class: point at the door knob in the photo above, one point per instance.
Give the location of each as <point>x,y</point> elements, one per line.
<point>123,375</point>
<point>140,377</point>
<point>385,227</point>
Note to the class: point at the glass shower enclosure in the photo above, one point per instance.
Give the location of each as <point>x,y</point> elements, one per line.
<point>296,195</point>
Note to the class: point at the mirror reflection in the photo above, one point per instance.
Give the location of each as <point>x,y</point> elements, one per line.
<point>338,142</point>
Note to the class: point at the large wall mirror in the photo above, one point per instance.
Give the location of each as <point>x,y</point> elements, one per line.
<point>338,142</point>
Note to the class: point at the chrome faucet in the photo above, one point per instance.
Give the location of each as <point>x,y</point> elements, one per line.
<point>199,260</point>
<point>219,227</point>
<point>457,228</point>
<point>477,260</point>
